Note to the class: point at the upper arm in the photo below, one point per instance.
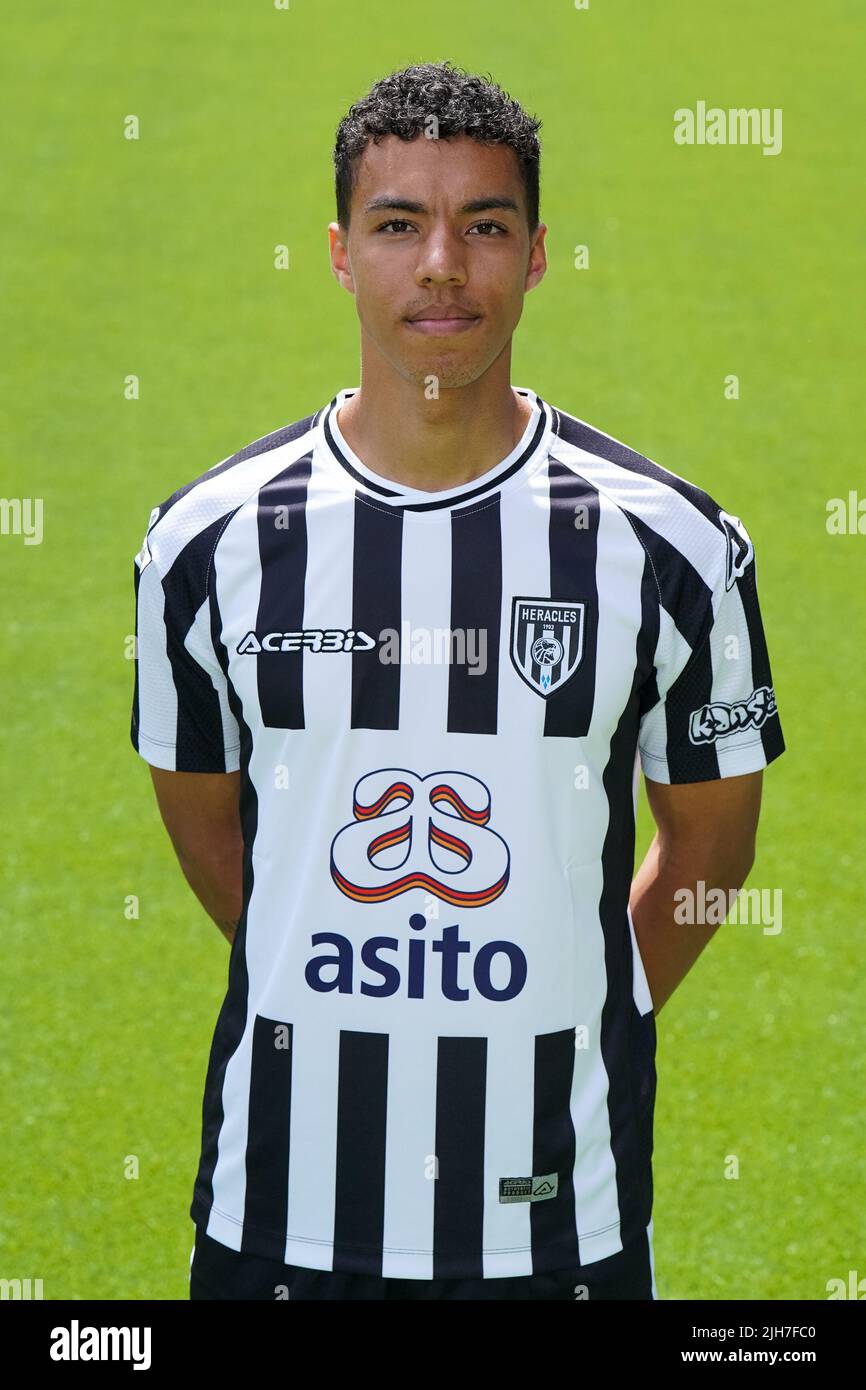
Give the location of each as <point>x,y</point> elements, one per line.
<point>200,811</point>
<point>709,822</point>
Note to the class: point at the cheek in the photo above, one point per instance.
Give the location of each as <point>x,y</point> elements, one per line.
<point>379,294</point>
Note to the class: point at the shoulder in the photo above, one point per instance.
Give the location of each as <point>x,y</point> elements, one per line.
<point>188,522</point>
<point>664,508</point>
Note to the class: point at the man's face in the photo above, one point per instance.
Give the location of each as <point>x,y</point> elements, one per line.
<point>430,244</point>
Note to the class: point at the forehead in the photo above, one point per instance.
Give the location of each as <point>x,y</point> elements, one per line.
<point>445,171</point>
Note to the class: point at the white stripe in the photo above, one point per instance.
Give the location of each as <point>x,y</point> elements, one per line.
<point>733,679</point>
<point>157,696</point>
<point>313,1145</point>
<point>649,1232</point>
<point>410,1149</point>
<point>671,654</point>
<point>426,595</point>
<point>229,1179</point>
<point>640,984</point>
<point>507,1147</point>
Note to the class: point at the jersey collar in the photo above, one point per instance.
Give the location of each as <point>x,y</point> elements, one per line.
<point>510,471</point>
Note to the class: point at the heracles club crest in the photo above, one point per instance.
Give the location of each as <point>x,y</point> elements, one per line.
<point>546,641</point>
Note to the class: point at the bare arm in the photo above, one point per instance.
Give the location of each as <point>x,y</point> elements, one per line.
<point>706,830</point>
<point>201,814</point>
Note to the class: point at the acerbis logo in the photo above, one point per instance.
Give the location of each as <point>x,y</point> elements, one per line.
<point>314,639</point>
<point>528,1189</point>
<point>719,719</point>
<point>431,833</point>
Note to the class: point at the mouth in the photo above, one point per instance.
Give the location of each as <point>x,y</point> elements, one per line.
<point>442,327</point>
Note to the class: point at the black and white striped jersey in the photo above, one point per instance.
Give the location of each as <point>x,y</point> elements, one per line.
<point>436,1053</point>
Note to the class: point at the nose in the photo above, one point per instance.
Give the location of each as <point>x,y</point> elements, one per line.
<point>441,257</point>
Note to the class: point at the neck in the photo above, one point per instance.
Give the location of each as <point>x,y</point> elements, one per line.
<point>433,444</point>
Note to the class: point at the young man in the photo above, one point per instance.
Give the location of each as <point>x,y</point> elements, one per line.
<point>433,1075</point>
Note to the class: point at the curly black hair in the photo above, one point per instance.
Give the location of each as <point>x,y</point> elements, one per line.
<point>462,103</point>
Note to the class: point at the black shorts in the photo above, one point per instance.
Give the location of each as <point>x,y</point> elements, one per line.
<point>218,1272</point>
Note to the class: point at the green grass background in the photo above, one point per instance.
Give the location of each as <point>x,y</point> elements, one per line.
<point>155,257</point>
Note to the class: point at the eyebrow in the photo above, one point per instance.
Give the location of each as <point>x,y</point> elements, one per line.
<point>387,201</point>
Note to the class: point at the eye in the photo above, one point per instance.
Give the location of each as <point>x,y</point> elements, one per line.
<point>401,223</point>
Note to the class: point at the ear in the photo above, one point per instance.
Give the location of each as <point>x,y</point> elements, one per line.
<point>339,253</point>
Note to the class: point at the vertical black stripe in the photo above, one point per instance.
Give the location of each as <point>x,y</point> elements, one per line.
<point>266,1207</point>
<point>688,599</point>
<point>476,609</point>
<point>649,637</point>
<point>693,687</point>
<point>628,1123</point>
<point>200,736</point>
<point>282,526</point>
<point>573,560</point>
<point>553,1222</point>
<point>233,1014</point>
<point>771,730</point>
<point>644,1084</point>
<point>377,608</point>
<point>359,1210</point>
<point>458,1217</point>
<point>685,596</point>
<point>640,1278</point>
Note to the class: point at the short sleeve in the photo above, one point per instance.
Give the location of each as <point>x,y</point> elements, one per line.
<point>181,715</point>
<point>716,713</point>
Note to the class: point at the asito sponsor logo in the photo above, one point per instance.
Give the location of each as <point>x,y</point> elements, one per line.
<point>431,833</point>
